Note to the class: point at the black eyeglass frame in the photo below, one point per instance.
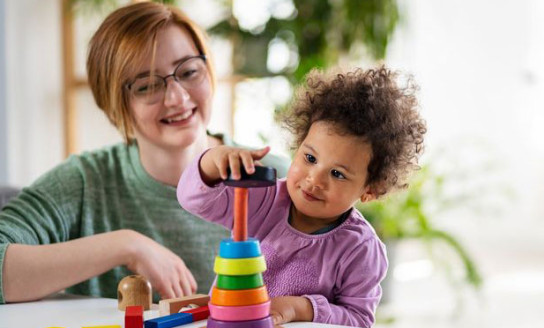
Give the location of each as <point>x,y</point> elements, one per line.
<point>164,78</point>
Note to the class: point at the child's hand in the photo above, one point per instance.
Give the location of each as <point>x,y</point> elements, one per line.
<point>285,309</point>
<point>165,270</point>
<point>216,161</point>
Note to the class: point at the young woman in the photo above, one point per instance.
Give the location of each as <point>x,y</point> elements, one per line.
<point>101,215</point>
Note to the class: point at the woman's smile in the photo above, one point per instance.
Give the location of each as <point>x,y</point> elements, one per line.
<point>178,119</point>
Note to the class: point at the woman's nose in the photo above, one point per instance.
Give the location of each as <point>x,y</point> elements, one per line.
<point>175,94</point>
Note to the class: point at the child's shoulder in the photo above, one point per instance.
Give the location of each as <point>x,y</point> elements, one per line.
<point>357,227</point>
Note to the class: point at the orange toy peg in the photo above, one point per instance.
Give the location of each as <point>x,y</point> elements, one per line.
<point>239,230</point>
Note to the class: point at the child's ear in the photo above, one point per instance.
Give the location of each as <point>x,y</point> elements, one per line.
<point>368,195</point>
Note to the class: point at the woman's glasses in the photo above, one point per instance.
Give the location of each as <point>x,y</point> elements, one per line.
<point>150,89</point>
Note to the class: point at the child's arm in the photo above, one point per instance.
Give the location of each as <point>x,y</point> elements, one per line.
<point>284,309</point>
<point>200,192</point>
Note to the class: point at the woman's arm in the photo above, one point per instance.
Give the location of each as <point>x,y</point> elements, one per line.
<point>32,272</point>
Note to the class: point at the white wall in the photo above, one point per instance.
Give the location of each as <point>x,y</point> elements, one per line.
<point>3,103</point>
<point>479,65</point>
<point>34,88</point>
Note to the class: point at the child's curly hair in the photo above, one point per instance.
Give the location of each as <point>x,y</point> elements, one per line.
<point>368,104</point>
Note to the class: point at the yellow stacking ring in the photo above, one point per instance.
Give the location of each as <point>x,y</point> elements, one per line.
<point>239,267</point>
<point>240,297</point>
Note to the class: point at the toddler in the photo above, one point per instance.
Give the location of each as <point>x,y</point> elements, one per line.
<point>357,136</point>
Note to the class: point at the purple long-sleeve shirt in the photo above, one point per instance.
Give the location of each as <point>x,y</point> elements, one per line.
<point>339,271</point>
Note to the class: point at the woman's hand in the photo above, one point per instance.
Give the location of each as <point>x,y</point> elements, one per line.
<point>165,270</point>
<point>215,163</point>
<point>285,309</point>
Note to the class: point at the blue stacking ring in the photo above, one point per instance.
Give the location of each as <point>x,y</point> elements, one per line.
<point>230,249</point>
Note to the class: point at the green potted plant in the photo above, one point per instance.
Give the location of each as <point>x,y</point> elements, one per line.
<point>410,214</point>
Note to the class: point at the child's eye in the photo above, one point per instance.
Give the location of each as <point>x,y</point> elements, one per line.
<point>337,174</point>
<point>310,158</point>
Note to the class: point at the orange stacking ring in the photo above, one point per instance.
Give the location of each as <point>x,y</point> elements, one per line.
<point>240,297</point>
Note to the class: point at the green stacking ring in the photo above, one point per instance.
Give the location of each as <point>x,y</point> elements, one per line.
<point>239,267</point>
<point>240,282</point>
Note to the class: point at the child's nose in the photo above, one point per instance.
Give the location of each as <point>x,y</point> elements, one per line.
<point>316,178</point>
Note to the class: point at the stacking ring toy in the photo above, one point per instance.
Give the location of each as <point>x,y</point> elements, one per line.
<point>240,282</point>
<point>230,249</point>
<point>239,297</point>
<point>262,323</point>
<point>239,267</point>
<point>239,313</point>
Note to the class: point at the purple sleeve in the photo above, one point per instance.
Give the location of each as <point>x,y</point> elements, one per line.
<point>216,203</point>
<point>359,289</point>
<point>210,203</point>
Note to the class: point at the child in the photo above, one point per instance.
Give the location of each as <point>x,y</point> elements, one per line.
<point>357,136</point>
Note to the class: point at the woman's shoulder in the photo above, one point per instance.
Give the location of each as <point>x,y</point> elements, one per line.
<point>88,165</point>
<point>108,155</point>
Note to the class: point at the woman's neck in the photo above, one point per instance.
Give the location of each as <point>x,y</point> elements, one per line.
<point>166,165</point>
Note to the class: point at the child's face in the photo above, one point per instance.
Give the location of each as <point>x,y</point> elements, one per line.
<point>328,173</point>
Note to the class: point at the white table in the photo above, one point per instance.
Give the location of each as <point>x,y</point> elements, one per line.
<point>70,311</point>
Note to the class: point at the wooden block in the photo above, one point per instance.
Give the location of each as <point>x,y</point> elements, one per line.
<point>200,313</point>
<point>134,316</point>
<point>134,290</point>
<point>173,305</point>
<point>173,320</point>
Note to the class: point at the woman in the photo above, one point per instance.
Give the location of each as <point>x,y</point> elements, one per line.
<point>103,214</point>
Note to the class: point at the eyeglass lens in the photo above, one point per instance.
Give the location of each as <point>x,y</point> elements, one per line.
<point>151,89</point>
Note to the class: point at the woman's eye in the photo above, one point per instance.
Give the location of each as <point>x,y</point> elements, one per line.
<point>142,89</point>
<point>337,174</point>
<point>310,158</point>
<point>187,74</point>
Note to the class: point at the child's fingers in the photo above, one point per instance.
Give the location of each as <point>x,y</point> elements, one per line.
<point>234,163</point>
<point>222,167</point>
<point>247,160</point>
<point>260,153</point>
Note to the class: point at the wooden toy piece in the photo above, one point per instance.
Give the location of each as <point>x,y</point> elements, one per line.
<point>173,305</point>
<point>239,297</point>
<point>134,316</point>
<point>262,177</point>
<point>172,320</point>
<point>134,290</point>
<point>199,313</point>
<point>188,307</point>
<point>239,230</point>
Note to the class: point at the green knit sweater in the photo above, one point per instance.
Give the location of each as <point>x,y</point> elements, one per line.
<point>107,190</point>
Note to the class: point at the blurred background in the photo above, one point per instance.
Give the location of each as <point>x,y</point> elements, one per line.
<point>465,242</point>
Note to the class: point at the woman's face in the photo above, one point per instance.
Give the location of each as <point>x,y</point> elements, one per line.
<point>173,115</point>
